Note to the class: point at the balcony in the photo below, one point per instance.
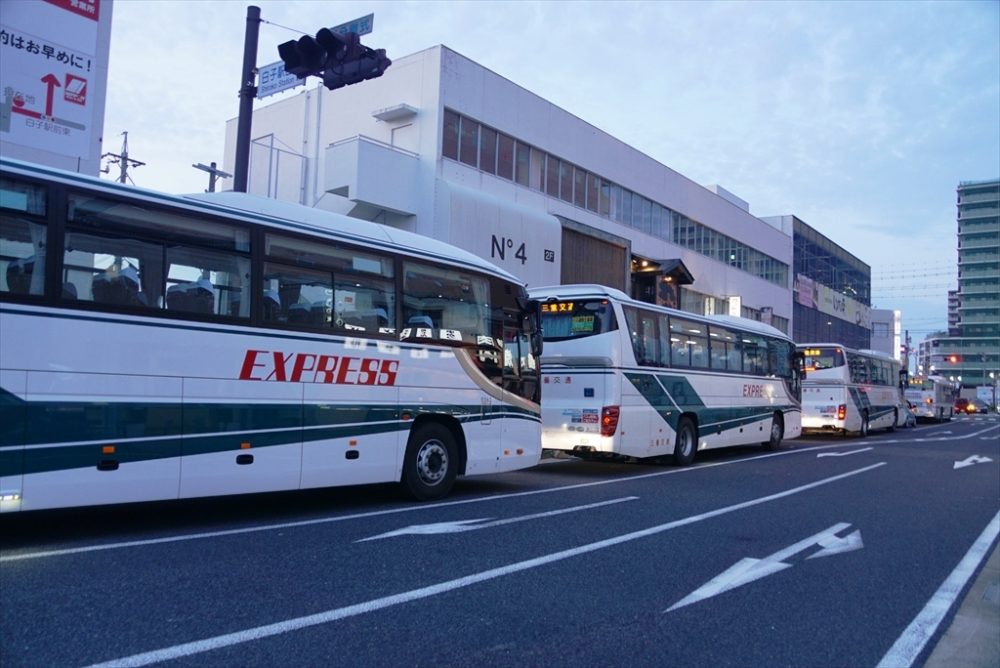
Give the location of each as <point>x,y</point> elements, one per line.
<point>985,272</point>
<point>984,212</point>
<point>373,174</point>
<point>975,198</point>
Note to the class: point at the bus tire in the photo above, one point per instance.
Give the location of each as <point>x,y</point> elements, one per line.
<point>686,442</point>
<point>777,433</point>
<point>431,462</point>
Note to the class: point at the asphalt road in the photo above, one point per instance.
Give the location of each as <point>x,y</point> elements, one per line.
<point>832,552</point>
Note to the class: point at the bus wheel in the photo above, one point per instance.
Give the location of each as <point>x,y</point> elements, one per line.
<point>687,441</point>
<point>777,433</point>
<point>431,462</point>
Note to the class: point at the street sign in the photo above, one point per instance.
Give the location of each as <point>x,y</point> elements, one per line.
<point>273,78</point>
<point>361,26</point>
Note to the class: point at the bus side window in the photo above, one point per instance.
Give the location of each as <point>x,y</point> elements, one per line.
<point>22,241</point>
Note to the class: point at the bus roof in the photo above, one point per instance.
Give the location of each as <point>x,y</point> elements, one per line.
<point>581,290</point>
<point>284,215</point>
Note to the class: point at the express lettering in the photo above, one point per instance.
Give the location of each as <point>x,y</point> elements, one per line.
<point>282,367</point>
<point>754,391</point>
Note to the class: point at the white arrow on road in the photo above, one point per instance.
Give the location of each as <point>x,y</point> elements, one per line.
<point>971,461</point>
<point>470,525</point>
<point>747,570</point>
<point>842,454</point>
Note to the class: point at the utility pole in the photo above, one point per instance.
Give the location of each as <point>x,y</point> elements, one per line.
<point>247,93</point>
<point>213,174</point>
<point>122,160</point>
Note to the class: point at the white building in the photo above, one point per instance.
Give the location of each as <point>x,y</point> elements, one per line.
<point>442,146</point>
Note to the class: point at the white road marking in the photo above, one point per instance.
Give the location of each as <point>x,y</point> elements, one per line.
<point>377,513</point>
<point>842,454</point>
<point>295,624</point>
<point>971,461</point>
<point>748,569</point>
<point>468,525</point>
<point>907,648</point>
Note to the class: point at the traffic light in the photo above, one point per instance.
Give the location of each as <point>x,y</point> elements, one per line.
<point>340,59</point>
<point>371,64</point>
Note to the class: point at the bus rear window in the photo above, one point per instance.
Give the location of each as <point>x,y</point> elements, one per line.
<point>562,320</point>
<point>823,358</point>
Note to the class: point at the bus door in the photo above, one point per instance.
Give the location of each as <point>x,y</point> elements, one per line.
<point>521,377</point>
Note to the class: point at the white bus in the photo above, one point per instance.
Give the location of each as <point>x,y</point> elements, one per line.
<point>161,347</point>
<point>933,397</point>
<point>624,378</point>
<point>850,391</point>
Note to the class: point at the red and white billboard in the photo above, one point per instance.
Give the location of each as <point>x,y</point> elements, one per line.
<point>53,77</point>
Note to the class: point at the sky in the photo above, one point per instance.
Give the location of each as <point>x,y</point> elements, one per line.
<point>860,118</point>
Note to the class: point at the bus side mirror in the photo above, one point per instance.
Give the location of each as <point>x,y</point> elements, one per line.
<point>800,363</point>
<point>532,309</point>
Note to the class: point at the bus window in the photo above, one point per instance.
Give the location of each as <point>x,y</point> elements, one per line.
<point>114,270</point>
<point>754,355</point>
<point>688,343</point>
<point>303,296</point>
<point>362,297</point>
<point>823,358</point>
<point>207,282</point>
<point>858,366</point>
<point>563,320</point>
<point>725,351</point>
<point>22,240</point>
<point>642,328</point>
<point>444,304</point>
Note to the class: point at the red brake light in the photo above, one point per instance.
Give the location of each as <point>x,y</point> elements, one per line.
<point>842,411</point>
<point>609,420</point>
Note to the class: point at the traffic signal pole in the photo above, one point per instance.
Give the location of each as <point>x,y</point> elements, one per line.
<point>247,93</point>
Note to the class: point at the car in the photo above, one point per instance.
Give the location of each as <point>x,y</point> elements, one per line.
<point>961,405</point>
<point>977,406</point>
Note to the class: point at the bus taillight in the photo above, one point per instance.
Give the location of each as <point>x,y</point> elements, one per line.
<point>609,420</point>
<point>842,411</point>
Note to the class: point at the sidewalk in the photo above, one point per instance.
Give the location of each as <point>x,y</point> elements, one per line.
<point>973,639</point>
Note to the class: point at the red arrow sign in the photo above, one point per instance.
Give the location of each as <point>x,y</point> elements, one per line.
<point>51,82</point>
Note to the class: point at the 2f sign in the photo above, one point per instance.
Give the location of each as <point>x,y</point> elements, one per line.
<point>503,244</point>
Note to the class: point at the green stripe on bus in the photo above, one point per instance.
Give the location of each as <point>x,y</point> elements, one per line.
<point>674,395</point>
<point>66,435</point>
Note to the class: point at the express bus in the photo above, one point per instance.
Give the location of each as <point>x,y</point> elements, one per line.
<point>624,378</point>
<point>160,347</point>
<point>850,391</point>
<point>933,397</point>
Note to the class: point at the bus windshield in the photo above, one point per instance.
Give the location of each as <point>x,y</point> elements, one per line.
<point>562,320</point>
<point>823,358</point>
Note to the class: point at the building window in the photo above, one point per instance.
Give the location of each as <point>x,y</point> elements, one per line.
<point>487,150</point>
<point>449,148</point>
<point>505,158</point>
<point>469,147</point>
<point>579,187</point>
<point>493,152</point>
<point>565,181</point>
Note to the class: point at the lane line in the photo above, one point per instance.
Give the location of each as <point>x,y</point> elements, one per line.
<point>908,646</point>
<point>377,513</point>
<point>297,623</point>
